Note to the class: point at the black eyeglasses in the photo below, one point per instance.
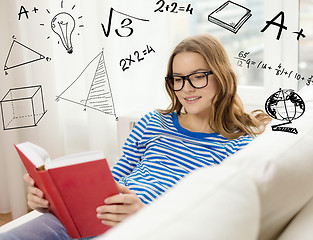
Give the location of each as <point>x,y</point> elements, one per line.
<point>196,80</point>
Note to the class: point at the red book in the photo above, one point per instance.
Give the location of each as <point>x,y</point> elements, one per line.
<point>74,185</point>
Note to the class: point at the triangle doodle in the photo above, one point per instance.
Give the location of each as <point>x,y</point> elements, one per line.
<point>20,55</point>
<point>91,89</point>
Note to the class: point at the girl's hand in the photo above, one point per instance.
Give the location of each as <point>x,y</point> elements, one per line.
<point>119,206</point>
<point>35,196</point>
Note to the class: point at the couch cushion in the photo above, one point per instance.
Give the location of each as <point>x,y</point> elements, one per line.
<point>301,226</point>
<point>281,164</point>
<point>211,203</point>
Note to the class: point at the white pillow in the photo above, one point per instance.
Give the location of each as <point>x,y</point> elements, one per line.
<point>210,203</point>
<point>281,164</point>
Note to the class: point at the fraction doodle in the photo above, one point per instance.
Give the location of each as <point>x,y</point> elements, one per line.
<point>279,70</point>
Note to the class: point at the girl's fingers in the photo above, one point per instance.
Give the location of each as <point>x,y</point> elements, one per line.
<point>109,223</point>
<point>120,199</point>
<point>124,189</point>
<point>36,198</point>
<point>119,206</point>
<point>37,202</point>
<point>35,191</point>
<point>110,219</point>
<point>115,209</point>
<point>29,180</point>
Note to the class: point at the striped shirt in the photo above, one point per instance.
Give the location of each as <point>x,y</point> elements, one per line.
<point>159,152</point>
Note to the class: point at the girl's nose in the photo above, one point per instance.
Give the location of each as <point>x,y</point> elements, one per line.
<point>187,87</point>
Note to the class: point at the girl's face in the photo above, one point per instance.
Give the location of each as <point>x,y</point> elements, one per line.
<point>195,101</point>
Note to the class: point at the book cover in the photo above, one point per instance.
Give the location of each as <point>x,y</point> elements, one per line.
<point>74,192</point>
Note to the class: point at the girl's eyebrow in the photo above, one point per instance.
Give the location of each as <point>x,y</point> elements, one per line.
<point>194,71</point>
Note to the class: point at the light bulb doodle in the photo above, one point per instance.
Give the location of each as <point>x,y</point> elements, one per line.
<point>63,25</point>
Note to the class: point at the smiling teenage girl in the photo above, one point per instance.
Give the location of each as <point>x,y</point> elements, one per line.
<point>222,110</point>
<point>204,124</point>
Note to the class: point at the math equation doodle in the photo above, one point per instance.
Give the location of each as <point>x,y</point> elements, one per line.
<point>125,29</point>
<point>173,7</point>
<point>230,16</point>
<point>20,54</point>
<point>22,107</point>
<point>243,60</point>
<point>99,95</point>
<point>125,63</point>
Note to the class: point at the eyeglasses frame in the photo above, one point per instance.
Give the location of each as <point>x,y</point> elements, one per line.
<point>186,77</point>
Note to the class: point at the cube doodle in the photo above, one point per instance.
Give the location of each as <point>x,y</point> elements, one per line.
<point>22,107</point>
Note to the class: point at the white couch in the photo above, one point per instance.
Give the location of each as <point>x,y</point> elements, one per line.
<point>264,191</point>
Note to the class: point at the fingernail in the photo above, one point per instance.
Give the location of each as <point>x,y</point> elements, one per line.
<point>106,201</point>
<point>98,209</point>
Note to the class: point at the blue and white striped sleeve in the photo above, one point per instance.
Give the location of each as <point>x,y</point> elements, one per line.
<point>132,152</point>
<point>237,144</point>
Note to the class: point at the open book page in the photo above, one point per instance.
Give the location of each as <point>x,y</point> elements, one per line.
<point>37,155</point>
<point>75,159</point>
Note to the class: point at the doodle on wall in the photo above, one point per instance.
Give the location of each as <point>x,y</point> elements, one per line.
<point>281,26</point>
<point>22,107</point>
<point>25,12</point>
<point>173,7</point>
<point>285,105</point>
<point>243,60</point>
<point>239,15</point>
<point>125,63</point>
<point>125,29</point>
<point>19,55</point>
<point>63,25</point>
<point>98,96</point>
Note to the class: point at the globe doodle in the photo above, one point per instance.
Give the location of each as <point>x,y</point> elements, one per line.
<point>285,105</point>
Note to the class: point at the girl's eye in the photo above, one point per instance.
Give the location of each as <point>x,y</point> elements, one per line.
<point>177,79</point>
<point>199,76</point>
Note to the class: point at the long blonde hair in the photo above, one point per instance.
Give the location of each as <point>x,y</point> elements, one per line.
<point>227,116</point>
